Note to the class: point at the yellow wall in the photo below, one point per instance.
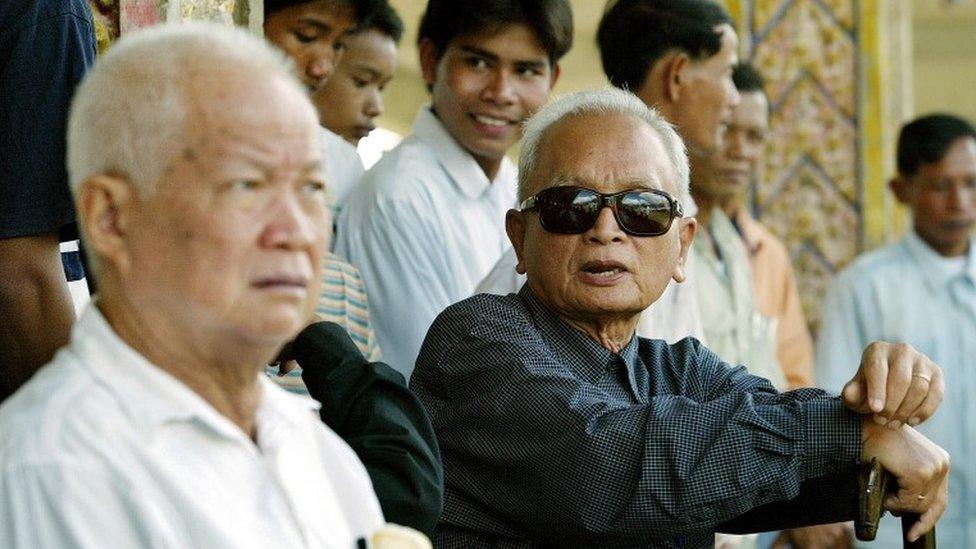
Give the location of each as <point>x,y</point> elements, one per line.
<point>945,57</point>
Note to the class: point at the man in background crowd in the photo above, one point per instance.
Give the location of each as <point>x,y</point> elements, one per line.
<point>45,48</point>
<point>352,99</point>
<point>741,259</point>
<point>312,34</point>
<point>922,291</point>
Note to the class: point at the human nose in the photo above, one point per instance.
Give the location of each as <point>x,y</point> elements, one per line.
<point>322,64</point>
<point>606,229</point>
<point>500,89</point>
<point>291,226</point>
<point>374,105</point>
<point>962,197</point>
<point>732,95</point>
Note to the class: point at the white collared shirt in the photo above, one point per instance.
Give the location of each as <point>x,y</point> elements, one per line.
<point>423,227</point>
<point>103,449</point>
<point>343,168</point>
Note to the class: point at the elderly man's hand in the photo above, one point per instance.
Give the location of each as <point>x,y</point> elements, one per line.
<point>920,467</point>
<point>896,383</point>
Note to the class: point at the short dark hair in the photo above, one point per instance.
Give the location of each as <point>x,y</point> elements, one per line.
<point>379,15</point>
<point>359,7</point>
<point>927,139</point>
<point>550,20</point>
<point>747,79</point>
<point>635,34</point>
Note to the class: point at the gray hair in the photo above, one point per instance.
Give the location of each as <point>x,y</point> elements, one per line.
<point>601,101</point>
<point>129,114</point>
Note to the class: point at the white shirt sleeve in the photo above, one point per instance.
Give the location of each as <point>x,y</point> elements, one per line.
<point>399,253</point>
<point>842,336</point>
<point>66,506</point>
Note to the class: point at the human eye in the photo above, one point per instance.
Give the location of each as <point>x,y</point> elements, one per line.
<point>360,82</point>
<point>244,185</point>
<point>315,188</point>
<point>476,62</point>
<point>305,35</point>
<point>339,46</point>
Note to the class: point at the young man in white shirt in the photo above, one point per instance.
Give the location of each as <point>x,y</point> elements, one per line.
<point>155,426</point>
<point>426,224</point>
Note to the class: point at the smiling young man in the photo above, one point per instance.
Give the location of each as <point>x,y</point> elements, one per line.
<point>427,222</point>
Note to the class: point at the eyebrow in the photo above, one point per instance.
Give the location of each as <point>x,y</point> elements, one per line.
<point>366,68</point>
<point>317,23</point>
<point>563,179</point>
<point>532,63</point>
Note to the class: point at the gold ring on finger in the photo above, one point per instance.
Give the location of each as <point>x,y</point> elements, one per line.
<point>928,379</point>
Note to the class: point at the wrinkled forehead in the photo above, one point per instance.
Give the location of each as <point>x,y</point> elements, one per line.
<point>604,152</point>
<point>271,117</point>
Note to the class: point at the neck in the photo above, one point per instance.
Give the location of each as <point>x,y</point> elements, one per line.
<point>705,205</point>
<point>731,207</point>
<point>490,166</point>
<point>224,374</point>
<point>612,336</point>
<point>954,249</point>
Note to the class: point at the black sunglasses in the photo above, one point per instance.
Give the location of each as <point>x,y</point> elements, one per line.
<point>574,210</point>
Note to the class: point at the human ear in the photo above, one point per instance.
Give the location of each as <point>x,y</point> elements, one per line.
<point>429,58</point>
<point>104,207</point>
<point>902,190</point>
<point>676,75</point>
<point>686,236</point>
<point>515,228</point>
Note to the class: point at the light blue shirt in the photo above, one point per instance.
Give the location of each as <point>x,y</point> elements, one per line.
<point>906,292</point>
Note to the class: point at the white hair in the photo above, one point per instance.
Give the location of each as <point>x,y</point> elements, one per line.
<point>129,114</point>
<point>601,102</point>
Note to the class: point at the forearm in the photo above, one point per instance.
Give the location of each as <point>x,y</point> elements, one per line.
<point>823,500</point>
<point>370,407</point>
<point>35,307</point>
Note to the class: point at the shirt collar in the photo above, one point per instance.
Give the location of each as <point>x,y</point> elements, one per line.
<point>925,259</point>
<point>153,397</point>
<point>576,349</point>
<point>457,162</point>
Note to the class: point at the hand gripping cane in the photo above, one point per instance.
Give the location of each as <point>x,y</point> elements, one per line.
<point>874,484</point>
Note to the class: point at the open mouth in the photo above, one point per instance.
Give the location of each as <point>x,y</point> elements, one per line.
<point>363,131</point>
<point>604,269</point>
<point>492,121</point>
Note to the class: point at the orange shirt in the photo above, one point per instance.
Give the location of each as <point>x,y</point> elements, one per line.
<point>777,297</point>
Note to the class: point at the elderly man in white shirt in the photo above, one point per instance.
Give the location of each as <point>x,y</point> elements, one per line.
<point>194,160</point>
<point>427,222</point>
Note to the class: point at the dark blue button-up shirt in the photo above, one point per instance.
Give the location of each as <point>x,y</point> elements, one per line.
<point>549,438</point>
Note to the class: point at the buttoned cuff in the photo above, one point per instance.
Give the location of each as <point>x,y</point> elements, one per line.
<point>831,437</point>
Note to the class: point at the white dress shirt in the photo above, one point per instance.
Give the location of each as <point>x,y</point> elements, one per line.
<point>103,449</point>
<point>343,168</point>
<point>423,227</point>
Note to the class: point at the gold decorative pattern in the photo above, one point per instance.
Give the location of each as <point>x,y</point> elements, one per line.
<point>826,84</point>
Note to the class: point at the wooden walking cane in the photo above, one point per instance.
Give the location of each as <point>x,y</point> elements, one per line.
<point>874,484</point>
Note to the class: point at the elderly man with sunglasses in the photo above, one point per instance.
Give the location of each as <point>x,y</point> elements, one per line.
<point>557,425</point>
